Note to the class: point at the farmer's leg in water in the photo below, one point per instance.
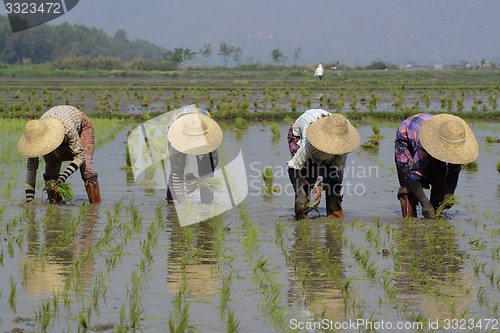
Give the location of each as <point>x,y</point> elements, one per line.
<point>89,176</point>
<point>302,182</point>
<point>437,182</point>
<point>407,200</point>
<point>206,167</point>
<point>175,188</point>
<point>332,184</point>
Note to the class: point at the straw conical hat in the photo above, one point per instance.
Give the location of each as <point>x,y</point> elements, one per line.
<point>40,137</point>
<point>448,138</point>
<point>333,134</point>
<point>195,134</point>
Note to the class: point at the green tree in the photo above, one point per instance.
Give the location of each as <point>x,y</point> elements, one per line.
<point>296,55</point>
<point>237,53</point>
<point>226,51</point>
<point>206,52</point>
<point>377,65</point>
<point>178,55</point>
<point>278,56</point>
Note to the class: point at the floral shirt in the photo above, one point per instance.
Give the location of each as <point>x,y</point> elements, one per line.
<point>412,152</point>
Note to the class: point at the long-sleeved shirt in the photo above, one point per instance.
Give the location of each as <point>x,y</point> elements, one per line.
<point>420,160</point>
<point>71,118</point>
<point>178,159</point>
<point>319,71</point>
<point>307,150</point>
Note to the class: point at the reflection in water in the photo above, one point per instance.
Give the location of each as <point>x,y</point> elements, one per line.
<point>57,245</point>
<point>317,275</point>
<point>430,265</point>
<point>192,256</point>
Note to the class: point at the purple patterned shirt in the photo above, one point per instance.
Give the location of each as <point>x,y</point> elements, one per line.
<point>414,154</point>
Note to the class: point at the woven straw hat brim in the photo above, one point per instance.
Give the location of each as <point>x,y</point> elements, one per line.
<point>331,143</point>
<point>432,141</point>
<point>36,145</point>
<point>195,144</point>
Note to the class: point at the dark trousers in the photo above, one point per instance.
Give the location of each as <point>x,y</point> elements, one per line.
<point>303,181</point>
<point>206,165</point>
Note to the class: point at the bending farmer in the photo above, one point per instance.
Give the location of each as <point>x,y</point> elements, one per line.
<point>429,151</point>
<point>319,143</point>
<point>63,133</point>
<point>192,132</point>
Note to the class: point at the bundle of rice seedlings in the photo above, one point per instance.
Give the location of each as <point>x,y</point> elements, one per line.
<point>452,200</point>
<point>58,193</point>
<point>472,166</point>
<point>193,183</point>
<point>491,139</point>
<point>268,177</point>
<point>275,128</point>
<point>371,144</point>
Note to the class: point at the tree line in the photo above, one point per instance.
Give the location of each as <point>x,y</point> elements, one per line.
<point>48,43</point>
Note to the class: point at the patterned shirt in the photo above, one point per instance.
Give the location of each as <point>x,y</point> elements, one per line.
<point>71,118</point>
<point>307,150</point>
<point>418,158</point>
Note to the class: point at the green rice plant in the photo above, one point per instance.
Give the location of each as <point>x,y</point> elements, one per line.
<point>240,123</point>
<point>268,177</point>
<point>491,139</point>
<point>498,166</point>
<point>13,293</point>
<point>452,200</point>
<point>371,144</point>
<point>57,192</point>
<point>275,128</point>
<point>193,183</point>
<point>232,322</point>
<point>472,166</point>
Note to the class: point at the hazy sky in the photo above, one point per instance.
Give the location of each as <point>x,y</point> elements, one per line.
<point>354,32</point>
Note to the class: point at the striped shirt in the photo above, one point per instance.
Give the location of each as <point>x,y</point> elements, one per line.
<point>307,150</point>
<point>407,135</point>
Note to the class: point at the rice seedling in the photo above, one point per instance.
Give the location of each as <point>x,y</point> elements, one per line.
<point>275,128</point>
<point>58,192</point>
<point>498,166</point>
<point>232,323</point>
<point>452,200</point>
<point>491,139</point>
<point>193,183</point>
<point>268,177</point>
<point>240,123</point>
<point>472,166</point>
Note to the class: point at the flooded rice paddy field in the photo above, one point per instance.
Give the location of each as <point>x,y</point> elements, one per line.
<point>390,91</point>
<point>127,265</point>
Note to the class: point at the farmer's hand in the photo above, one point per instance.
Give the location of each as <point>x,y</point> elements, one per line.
<point>448,201</point>
<point>60,180</point>
<point>316,191</point>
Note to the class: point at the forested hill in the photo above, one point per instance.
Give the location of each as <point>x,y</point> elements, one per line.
<point>48,43</point>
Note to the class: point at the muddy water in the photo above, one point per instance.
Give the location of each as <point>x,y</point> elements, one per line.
<point>127,263</point>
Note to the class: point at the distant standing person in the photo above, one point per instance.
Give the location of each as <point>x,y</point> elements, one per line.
<point>429,152</point>
<point>319,73</point>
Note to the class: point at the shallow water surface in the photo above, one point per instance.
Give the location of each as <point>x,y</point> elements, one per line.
<point>127,264</point>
